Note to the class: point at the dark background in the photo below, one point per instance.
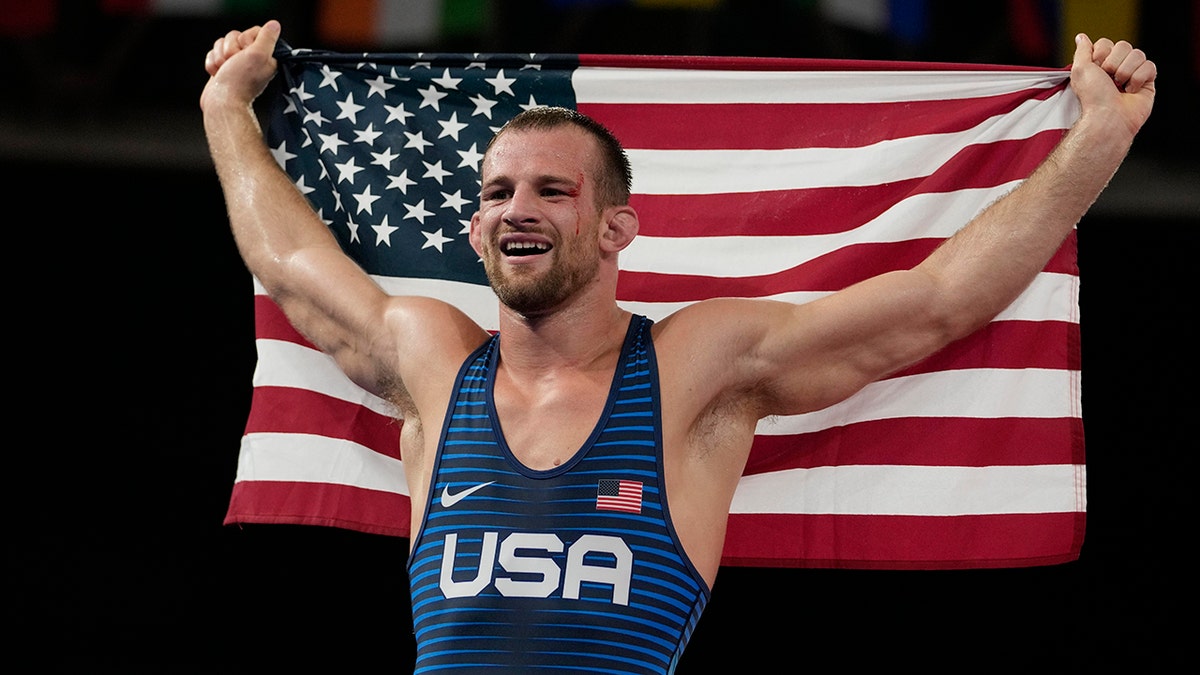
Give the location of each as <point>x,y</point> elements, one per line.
<point>131,339</point>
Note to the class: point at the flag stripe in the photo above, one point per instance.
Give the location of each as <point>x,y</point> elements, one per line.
<point>795,125</point>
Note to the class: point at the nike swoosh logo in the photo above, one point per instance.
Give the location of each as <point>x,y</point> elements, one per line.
<point>449,500</point>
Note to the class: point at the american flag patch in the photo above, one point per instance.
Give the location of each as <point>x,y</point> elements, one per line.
<point>619,495</point>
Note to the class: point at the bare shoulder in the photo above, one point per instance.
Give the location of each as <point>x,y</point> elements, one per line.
<point>426,341</point>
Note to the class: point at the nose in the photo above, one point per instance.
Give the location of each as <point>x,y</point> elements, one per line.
<point>522,208</point>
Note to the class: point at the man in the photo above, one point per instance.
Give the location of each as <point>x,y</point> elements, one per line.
<point>502,435</point>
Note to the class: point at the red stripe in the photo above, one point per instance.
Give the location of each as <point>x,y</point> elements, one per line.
<point>825,210</point>
<point>770,126</point>
<point>271,324</point>
<point>300,411</point>
<point>325,504</point>
<point>953,441</point>
<point>1007,344</point>
<point>904,542</point>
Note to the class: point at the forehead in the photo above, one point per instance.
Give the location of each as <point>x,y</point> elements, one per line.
<point>566,149</point>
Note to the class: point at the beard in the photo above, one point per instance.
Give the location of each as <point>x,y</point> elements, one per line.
<point>530,293</point>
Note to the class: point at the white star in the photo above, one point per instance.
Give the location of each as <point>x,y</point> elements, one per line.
<point>397,112</point>
<point>401,182</point>
<point>501,83</point>
<point>347,171</point>
<point>466,227</point>
<point>300,93</point>
<point>454,201</point>
<point>304,189</point>
<point>315,116</point>
<point>446,81</point>
<point>483,106</point>
<point>367,135</point>
<point>365,199</point>
<point>480,65</point>
<point>430,97</point>
<point>384,158</point>
<point>470,157</point>
<point>451,127</point>
<point>328,78</point>
<point>383,232</point>
<point>349,109</point>
<point>532,103</point>
<point>435,239</point>
<point>417,211</point>
<point>351,227</point>
<point>331,142</point>
<point>435,171</point>
<point>417,141</point>
<point>378,86</point>
<point>281,154</point>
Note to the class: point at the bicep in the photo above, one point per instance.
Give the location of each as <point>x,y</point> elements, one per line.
<point>796,358</point>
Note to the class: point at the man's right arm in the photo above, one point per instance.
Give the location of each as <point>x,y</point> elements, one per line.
<point>288,249</point>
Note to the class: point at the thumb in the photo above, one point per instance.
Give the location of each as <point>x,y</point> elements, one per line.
<point>268,35</point>
<point>1083,51</point>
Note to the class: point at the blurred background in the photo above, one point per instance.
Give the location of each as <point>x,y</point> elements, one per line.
<point>140,323</point>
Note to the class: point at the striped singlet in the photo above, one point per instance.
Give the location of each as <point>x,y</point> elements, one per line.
<point>574,569</point>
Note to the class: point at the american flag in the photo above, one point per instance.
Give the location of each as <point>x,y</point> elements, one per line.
<point>778,178</point>
<point>619,495</point>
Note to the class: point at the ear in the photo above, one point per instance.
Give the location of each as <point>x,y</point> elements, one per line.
<point>621,226</point>
<point>474,235</point>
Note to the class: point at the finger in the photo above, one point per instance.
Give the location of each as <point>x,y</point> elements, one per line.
<point>1142,77</point>
<point>1100,51</point>
<point>1083,51</point>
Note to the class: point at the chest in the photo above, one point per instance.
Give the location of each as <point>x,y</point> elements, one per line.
<point>547,422</point>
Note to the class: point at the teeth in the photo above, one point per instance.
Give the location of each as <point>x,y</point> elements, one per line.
<point>526,246</point>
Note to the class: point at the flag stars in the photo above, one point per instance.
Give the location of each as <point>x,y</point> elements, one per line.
<point>447,82</point>
<point>397,113</point>
<point>281,154</point>
<point>451,127</point>
<point>349,109</point>
<point>365,199</point>
<point>435,240</point>
<point>378,87</point>
<point>532,103</point>
<point>367,135</point>
<point>417,141</point>
<point>347,171</point>
<point>331,142</point>
<point>328,78</point>
<point>431,97</point>
<point>454,201</point>
<point>417,212</point>
<point>384,158</point>
<point>501,83</point>
<point>383,233</point>
<point>435,171</point>
<point>483,106</point>
<point>471,158</point>
<point>401,182</point>
<point>300,93</point>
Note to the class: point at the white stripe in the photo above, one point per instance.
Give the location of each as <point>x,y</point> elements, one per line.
<point>653,85</point>
<point>1051,297</point>
<point>305,458</point>
<point>915,490</point>
<point>682,172</point>
<point>287,364</point>
<point>986,393</point>
<point>930,215</point>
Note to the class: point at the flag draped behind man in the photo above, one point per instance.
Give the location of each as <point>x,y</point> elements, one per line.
<point>773,178</point>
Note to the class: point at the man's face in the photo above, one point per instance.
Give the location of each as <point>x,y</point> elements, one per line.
<point>536,229</point>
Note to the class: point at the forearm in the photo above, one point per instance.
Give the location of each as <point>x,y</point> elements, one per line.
<point>983,268</point>
<point>270,219</point>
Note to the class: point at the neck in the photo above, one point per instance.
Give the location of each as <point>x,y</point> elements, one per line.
<point>576,336</point>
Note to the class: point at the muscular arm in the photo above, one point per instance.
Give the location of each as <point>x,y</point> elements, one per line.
<point>374,338</point>
<point>799,358</point>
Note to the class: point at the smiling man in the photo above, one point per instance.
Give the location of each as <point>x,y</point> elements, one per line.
<point>571,476</point>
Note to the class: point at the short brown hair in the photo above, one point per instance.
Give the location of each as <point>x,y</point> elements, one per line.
<point>616,177</point>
